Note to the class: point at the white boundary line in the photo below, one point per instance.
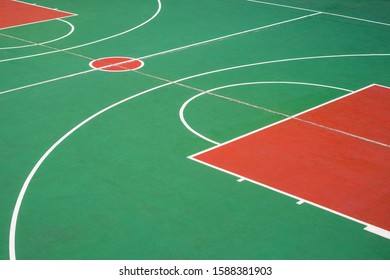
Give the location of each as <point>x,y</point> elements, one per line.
<point>183,107</point>
<point>93,42</point>
<point>326,13</point>
<point>15,214</point>
<point>46,42</point>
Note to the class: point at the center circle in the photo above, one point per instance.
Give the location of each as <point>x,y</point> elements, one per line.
<point>116,64</point>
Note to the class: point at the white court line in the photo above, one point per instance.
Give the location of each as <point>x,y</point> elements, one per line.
<point>185,123</point>
<point>184,106</point>
<point>378,231</point>
<point>326,13</point>
<point>228,36</point>
<point>93,42</point>
<point>46,42</point>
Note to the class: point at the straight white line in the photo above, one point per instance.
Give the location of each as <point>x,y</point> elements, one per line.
<point>310,10</point>
<point>48,81</point>
<point>284,6</point>
<point>369,227</point>
<point>65,16</point>
<point>378,231</point>
<point>230,35</point>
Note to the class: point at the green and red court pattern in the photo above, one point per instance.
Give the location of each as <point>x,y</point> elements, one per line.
<point>318,154</point>
<point>211,129</point>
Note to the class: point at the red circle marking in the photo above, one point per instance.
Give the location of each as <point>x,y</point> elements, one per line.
<point>116,64</point>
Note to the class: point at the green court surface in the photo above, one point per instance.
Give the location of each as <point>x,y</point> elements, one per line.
<point>94,164</point>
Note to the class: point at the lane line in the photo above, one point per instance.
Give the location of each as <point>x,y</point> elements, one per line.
<point>326,13</point>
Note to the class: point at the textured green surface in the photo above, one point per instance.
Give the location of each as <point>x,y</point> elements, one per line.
<point>121,186</point>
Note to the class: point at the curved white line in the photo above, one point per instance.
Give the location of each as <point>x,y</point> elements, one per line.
<point>289,60</point>
<point>185,123</point>
<point>15,214</point>
<point>46,42</point>
<point>16,210</point>
<point>93,42</point>
<point>183,107</point>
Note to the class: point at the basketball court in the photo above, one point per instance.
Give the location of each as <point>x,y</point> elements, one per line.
<point>195,130</point>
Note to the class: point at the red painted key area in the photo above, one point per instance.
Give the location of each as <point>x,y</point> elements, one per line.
<point>330,165</point>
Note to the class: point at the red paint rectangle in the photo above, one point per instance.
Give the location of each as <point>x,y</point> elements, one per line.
<point>318,158</point>
<point>15,13</point>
